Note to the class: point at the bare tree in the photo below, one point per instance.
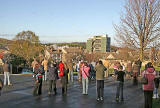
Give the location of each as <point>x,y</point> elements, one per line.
<point>139,26</point>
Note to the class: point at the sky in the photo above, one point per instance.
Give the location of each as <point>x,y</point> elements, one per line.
<point>60,20</point>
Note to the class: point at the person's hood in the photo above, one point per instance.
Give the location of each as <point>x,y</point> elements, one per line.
<point>150,70</point>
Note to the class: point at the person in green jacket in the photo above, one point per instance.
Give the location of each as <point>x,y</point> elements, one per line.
<point>100,72</point>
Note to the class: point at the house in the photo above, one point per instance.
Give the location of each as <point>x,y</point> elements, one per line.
<point>71,53</point>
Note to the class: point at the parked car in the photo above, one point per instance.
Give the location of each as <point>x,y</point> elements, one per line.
<point>25,70</point>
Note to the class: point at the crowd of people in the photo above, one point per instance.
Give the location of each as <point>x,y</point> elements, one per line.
<point>51,71</point>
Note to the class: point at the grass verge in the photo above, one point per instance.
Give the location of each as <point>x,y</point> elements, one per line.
<point>156,103</point>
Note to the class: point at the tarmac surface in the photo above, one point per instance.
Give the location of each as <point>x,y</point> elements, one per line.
<point>20,95</point>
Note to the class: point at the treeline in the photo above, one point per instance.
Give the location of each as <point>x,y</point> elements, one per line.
<point>73,44</point>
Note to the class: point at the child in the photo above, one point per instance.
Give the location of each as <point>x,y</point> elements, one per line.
<point>120,80</point>
<point>38,81</point>
<point>1,86</point>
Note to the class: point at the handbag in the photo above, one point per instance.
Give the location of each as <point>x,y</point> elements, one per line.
<point>144,80</point>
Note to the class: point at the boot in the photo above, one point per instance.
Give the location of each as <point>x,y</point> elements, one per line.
<point>55,91</point>
<point>154,96</point>
<point>62,90</point>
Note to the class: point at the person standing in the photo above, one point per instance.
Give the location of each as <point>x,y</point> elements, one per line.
<point>135,73</point>
<point>52,77</point>
<point>148,88</point>
<point>1,86</point>
<point>33,66</point>
<point>129,69</point>
<point>100,72</point>
<point>91,71</point>
<point>38,81</point>
<point>45,65</point>
<point>139,63</point>
<point>106,64</point>
<point>78,70</point>
<point>115,67</point>
<point>70,66</point>
<point>120,80</point>
<point>85,80</point>
<point>6,69</point>
<point>94,72</point>
<point>64,77</point>
<point>80,66</point>
<point>156,85</point>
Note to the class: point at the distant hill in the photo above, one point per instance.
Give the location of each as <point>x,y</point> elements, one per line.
<point>4,42</point>
<point>72,44</point>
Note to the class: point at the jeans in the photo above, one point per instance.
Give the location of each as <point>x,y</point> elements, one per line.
<point>6,76</point>
<point>64,84</point>
<point>52,86</point>
<point>119,90</point>
<point>85,85</point>
<point>70,76</point>
<point>135,80</point>
<point>148,99</point>
<point>79,75</point>
<point>45,76</point>
<point>38,88</point>
<point>100,88</point>
<point>155,92</point>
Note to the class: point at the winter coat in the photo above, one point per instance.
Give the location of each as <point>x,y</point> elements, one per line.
<point>1,84</point>
<point>100,71</point>
<point>61,66</point>
<point>38,73</point>
<point>45,64</point>
<point>129,67</point>
<point>85,71</point>
<point>135,70</point>
<point>80,66</point>
<point>70,66</point>
<point>6,67</point>
<point>34,64</point>
<point>52,73</point>
<point>149,73</point>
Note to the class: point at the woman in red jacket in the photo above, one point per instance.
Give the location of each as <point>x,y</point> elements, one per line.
<point>149,73</point>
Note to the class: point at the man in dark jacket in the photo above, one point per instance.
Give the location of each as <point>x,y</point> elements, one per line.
<point>120,80</point>
<point>135,73</point>
<point>52,77</point>
<point>100,71</point>
<point>139,63</point>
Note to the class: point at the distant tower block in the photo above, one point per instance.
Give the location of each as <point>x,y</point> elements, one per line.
<point>98,44</point>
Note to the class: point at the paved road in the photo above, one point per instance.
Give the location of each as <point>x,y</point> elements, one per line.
<point>20,96</point>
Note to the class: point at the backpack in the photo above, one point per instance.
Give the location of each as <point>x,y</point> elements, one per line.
<point>61,73</point>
